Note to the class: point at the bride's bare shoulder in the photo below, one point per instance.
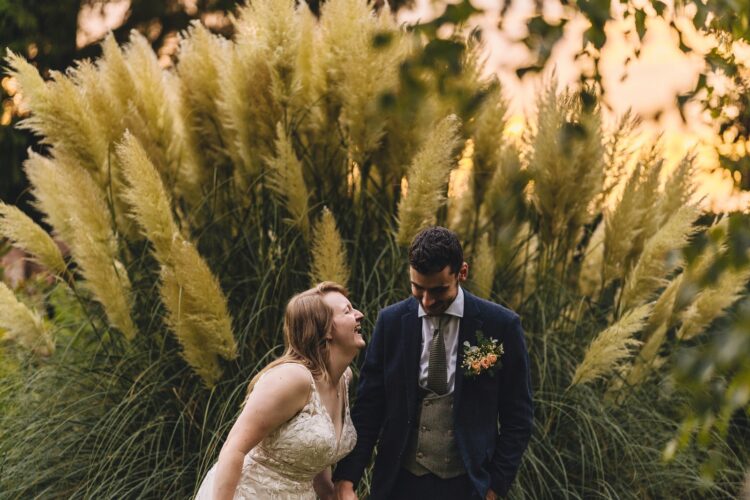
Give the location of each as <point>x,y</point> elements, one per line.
<point>287,380</point>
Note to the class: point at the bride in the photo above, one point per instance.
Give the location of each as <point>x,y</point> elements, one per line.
<point>295,421</point>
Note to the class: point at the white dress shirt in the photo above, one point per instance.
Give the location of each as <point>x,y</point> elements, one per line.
<point>451,323</point>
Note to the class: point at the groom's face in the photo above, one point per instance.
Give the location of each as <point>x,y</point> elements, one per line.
<point>436,291</point>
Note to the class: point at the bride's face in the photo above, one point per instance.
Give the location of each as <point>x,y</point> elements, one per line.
<point>347,323</point>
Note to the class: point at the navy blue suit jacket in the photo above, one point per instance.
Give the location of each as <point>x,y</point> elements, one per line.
<point>387,397</point>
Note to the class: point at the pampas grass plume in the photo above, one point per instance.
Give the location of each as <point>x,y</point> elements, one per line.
<point>654,263</point>
<point>428,175</point>
<point>61,116</point>
<point>26,234</point>
<point>590,278</point>
<point>23,325</point>
<point>197,311</point>
<point>329,261</point>
<point>151,205</point>
<point>197,308</point>
<point>712,301</point>
<point>75,206</point>
<point>483,268</point>
<point>286,179</point>
<point>611,347</point>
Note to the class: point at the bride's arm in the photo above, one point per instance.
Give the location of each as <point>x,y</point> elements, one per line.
<point>276,398</point>
<point>323,485</point>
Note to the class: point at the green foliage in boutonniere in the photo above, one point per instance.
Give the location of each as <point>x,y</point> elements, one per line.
<point>483,357</point>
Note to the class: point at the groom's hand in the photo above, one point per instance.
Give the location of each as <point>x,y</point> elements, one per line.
<point>345,490</point>
<point>491,495</point>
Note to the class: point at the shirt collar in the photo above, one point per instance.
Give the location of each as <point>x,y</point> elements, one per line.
<point>455,309</point>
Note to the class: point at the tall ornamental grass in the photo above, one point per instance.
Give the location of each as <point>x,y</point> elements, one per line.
<point>196,200</point>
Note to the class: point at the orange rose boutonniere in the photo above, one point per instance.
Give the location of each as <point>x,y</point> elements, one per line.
<point>483,357</point>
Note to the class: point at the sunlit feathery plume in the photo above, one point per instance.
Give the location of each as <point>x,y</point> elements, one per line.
<point>107,279</point>
<point>566,164</point>
<point>679,188</point>
<point>153,119</point>
<point>590,277</point>
<point>504,203</point>
<point>648,195</point>
<point>61,116</point>
<point>486,130</point>
<point>428,175</point>
<point>309,73</point>
<point>116,78</point>
<point>462,203</point>
<point>197,308</point>
<point>611,347</point>
<point>655,332</point>
<point>619,146</point>
<point>49,198</point>
<point>286,179</point>
<point>94,247</point>
<point>91,80</point>
<point>22,325</point>
<point>712,300</point>
<point>26,234</point>
<point>148,98</point>
<point>201,58</point>
<point>660,256</point>
<point>622,226</point>
<point>271,25</point>
<point>197,311</point>
<point>483,271</point>
<point>348,28</point>
<point>250,83</point>
<point>75,206</point>
<point>329,260</point>
<point>150,203</point>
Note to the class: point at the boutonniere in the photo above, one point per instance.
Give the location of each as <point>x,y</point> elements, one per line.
<point>483,357</point>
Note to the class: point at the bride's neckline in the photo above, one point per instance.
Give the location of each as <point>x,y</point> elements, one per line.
<point>336,435</point>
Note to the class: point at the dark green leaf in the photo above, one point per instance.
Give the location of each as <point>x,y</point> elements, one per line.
<point>640,22</point>
<point>526,69</point>
<point>596,36</point>
<point>382,39</point>
<point>458,13</point>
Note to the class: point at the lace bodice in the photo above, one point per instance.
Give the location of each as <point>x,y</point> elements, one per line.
<point>283,465</point>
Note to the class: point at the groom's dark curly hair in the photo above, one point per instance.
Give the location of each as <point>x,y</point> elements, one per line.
<point>434,248</point>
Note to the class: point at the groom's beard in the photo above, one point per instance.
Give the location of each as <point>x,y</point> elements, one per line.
<point>439,307</point>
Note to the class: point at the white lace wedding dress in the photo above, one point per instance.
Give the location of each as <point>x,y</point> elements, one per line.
<point>283,465</point>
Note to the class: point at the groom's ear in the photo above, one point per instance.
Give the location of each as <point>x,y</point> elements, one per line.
<point>463,272</point>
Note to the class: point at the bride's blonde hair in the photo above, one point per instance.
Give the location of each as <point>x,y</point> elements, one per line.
<point>307,321</point>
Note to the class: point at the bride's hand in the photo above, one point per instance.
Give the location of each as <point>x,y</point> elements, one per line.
<point>345,491</point>
<point>323,485</point>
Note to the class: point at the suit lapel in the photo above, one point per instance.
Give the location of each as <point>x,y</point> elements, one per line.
<point>467,332</point>
<point>411,329</point>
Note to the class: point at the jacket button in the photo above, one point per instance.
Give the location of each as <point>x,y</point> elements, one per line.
<point>424,428</point>
<point>420,455</point>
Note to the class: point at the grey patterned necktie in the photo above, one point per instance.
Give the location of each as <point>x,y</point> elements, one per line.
<point>437,369</point>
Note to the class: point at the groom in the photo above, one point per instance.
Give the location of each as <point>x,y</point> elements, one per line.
<point>437,428</point>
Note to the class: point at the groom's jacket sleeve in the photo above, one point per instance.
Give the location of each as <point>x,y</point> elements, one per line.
<point>515,411</point>
<point>369,409</point>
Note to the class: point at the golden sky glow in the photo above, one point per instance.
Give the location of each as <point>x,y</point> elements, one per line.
<point>650,83</point>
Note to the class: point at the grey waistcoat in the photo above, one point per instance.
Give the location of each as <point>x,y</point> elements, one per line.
<point>432,444</point>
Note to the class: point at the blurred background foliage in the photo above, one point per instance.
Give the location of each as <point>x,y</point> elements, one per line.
<point>632,300</point>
